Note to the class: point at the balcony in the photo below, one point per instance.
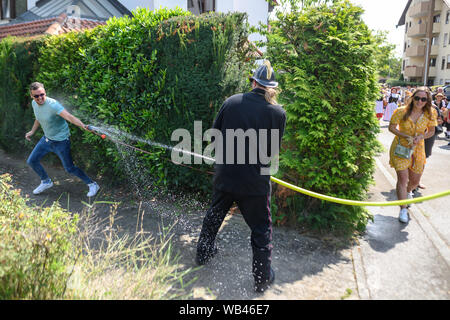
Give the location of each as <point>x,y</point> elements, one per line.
<point>438,6</point>
<point>414,71</point>
<point>418,30</point>
<point>415,51</point>
<point>434,50</point>
<point>432,72</point>
<point>420,10</point>
<point>437,27</point>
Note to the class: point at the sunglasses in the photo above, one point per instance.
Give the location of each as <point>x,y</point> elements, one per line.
<point>39,95</point>
<point>421,99</point>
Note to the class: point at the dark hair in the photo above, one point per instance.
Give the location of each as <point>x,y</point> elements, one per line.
<point>36,85</point>
<point>410,105</point>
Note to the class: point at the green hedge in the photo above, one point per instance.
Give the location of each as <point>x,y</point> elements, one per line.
<point>326,54</point>
<point>18,64</point>
<point>147,75</point>
<point>162,70</point>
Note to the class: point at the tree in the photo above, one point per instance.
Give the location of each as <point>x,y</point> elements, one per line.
<point>386,63</point>
<point>324,55</point>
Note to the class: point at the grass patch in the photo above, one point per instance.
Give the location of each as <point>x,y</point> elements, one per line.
<point>48,253</point>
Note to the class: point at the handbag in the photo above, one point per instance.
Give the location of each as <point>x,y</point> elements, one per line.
<point>403,152</point>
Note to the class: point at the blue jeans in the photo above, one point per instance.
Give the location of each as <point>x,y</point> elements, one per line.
<point>62,150</point>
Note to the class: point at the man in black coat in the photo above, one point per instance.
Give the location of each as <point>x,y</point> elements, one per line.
<point>251,124</point>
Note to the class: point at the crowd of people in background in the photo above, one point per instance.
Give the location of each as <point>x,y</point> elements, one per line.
<point>391,98</point>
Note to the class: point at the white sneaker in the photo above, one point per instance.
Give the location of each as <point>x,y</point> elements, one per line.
<point>42,187</point>
<point>404,216</point>
<point>93,189</point>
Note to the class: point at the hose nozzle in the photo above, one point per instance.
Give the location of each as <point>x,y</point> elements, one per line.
<point>95,130</point>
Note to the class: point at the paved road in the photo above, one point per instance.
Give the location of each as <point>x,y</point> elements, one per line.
<point>397,261</point>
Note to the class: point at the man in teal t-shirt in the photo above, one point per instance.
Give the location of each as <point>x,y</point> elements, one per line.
<point>51,116</point>
<point>55,128</point>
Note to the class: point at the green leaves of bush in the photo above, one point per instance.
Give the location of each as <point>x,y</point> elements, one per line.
<point>18,63</point>
<point>36,251</point>
<point>148,75</point>
<point>324,53</point>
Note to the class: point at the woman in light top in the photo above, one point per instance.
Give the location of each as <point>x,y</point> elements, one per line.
<point>393,99</point>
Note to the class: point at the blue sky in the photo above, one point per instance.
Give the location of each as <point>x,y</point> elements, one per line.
<point>384,15</point>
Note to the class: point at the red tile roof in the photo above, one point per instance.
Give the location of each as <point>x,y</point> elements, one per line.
<point>56,25</point>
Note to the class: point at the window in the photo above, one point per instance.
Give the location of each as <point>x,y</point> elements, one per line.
<point>437,19</point>
<point>435,41</point>
<point>447,18</point>
<point>445,39</point>
<point>448,61</point>
<point>433,62</point>
<point>441,82</point>
<point>443,63</point>
<point>201,6</point>
<point>7,9</point>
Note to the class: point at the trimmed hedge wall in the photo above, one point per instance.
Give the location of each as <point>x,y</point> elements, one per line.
<point>146,75</point>
<point>18,64</point>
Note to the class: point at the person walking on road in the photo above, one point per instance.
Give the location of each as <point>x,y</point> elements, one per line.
<point>51,116</point>
<point>392,105</point>
<point>411,125</point>
<point>438,104</point>
<point>245,183</point>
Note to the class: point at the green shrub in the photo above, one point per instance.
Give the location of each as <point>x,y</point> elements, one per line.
<point>148,75</point>
<point>18,64</point>
<point>36,251</point>
<point>46,253</point>
<point>325,53</point>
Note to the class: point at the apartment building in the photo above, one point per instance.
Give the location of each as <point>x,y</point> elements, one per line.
<point>426,48</point>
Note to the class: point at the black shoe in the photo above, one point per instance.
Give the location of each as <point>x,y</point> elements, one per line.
<point>263,286</point>
<point>204,260</point>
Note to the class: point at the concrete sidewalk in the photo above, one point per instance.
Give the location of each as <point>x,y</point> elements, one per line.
<point>400,261</point>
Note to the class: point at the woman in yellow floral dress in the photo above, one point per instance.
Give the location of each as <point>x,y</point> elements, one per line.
<point>411,125</point>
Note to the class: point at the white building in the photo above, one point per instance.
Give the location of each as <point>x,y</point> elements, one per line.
<point>31,10</point>
<point>257,10</point>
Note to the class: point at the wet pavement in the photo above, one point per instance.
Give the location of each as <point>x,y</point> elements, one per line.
<point>391,261</point>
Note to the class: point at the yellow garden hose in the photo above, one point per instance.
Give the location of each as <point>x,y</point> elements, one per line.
<point>359,203</point>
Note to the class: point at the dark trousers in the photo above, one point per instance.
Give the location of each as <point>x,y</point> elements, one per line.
<point>256,212</point>
<point>429,143</point>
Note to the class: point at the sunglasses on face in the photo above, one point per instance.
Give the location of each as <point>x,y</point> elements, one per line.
<point>420,99</point>
<point>39,95</point>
